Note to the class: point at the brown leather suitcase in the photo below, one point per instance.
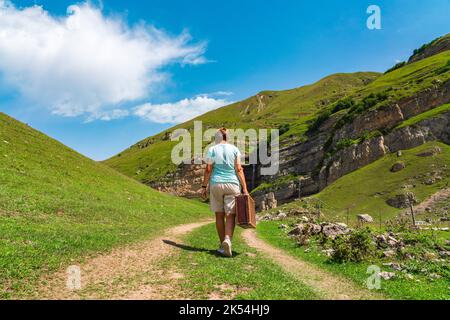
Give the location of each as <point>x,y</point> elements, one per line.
<point>245,211</point>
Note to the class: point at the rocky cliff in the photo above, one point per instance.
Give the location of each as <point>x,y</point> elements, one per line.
<point>315,168</point>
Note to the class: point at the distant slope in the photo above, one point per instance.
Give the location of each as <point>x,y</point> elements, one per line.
<point>366,190</point>
<point>56,205</point>
<point>149,159</point>
<point>376,183</point>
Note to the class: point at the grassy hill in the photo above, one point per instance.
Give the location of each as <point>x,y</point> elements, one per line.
<point>56,205</point>
<point>150,159</point>
<point>376,184</point>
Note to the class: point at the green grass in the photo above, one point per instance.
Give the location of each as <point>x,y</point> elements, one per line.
<point>398,288</point>
<point>424,116</point>
<point>410,79</point>
<point>56,205</point>
<point>252,277</point>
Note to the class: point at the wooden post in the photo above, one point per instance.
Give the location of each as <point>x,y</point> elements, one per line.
<point>348,214</point>
<point>410,202</point>
<point>380,220</point>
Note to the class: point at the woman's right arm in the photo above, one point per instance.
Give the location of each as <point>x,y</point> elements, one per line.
<point>240,173</point>
<point>206,178</point>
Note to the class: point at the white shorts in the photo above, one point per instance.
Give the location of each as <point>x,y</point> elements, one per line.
<point>222,197</point>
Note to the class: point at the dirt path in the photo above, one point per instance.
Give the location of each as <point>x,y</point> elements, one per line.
<point>437,197</point>
<point>131,272</point>
<point>328,285</point>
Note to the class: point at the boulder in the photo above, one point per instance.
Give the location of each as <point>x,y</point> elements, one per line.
<point>398,166</point>
<point>305,229</point>
<point>332,230</point>
<point>314,229</point>
<point>281,216</point>
<point>298,230</point>
<point>381,241</point>
<point>400,201</point>
<point>365,218</point>
<point>304,219</point>
<point>389,253</point>
<point>387,275</point>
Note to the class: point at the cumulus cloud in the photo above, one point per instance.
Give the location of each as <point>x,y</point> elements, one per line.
<point>86,63</point>
<point>180,111</point>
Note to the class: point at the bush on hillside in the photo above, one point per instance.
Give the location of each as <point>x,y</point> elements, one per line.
<point>343,104</point>
<point>284,128</point>
<point>319,120</point>
<point>354,247</point>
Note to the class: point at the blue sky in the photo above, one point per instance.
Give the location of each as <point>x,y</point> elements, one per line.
<point>207,49</point>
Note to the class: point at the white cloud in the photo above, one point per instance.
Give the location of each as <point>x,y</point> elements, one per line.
<point>86,63</point>
<point>216,94</point>
<point>108,115</point>
<point>179,111</point>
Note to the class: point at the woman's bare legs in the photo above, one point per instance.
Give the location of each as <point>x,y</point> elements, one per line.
<point>229,227</point>
<point>220,225</point>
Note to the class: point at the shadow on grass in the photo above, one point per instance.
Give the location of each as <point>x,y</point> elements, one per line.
<point>194,249</point>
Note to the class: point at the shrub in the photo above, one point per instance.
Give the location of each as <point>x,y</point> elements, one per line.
<point>284,128</point>
<point>354,247</point>
<point>319,120</point>
<point>443,69</point>
<point>343,104</point>
<point>366,103</point>
<point>397,66</point>
<point>345,143</point>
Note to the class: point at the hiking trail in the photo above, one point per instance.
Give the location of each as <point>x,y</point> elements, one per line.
<point>126,273</point>
<point>330,286</point>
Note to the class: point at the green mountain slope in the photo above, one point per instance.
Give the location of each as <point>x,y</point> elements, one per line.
<point>56,205</point>
<point>150,159</point>
<point>376,183</point>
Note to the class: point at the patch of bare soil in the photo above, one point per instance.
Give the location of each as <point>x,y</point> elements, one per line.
<point>328,285</point>
<point>130,272</point>
<point>428,203</point>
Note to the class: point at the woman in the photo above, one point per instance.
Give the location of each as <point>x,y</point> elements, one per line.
<point>225,177</point>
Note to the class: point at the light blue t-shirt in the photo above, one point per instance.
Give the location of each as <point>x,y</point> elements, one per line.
<point>223,156</point>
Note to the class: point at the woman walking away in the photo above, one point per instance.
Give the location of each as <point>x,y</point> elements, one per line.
<point>225,176</point>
